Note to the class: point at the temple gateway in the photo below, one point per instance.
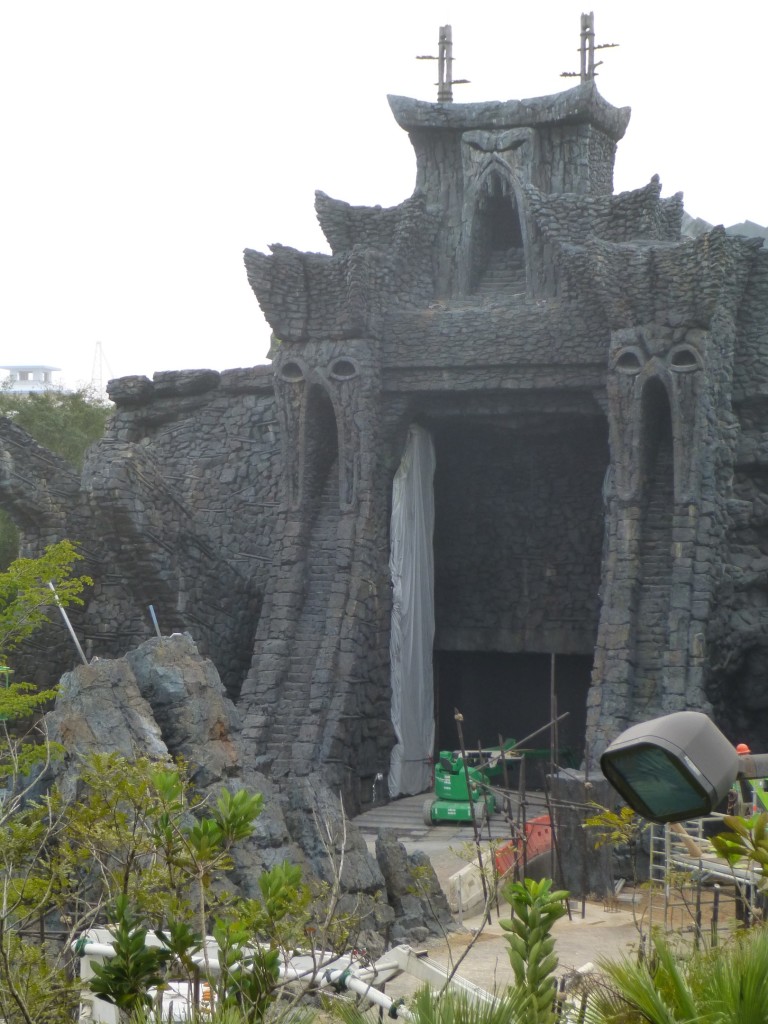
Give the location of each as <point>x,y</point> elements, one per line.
<point>512,445</point>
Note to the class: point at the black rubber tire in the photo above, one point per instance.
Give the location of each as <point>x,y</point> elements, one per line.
<point>427,811</point>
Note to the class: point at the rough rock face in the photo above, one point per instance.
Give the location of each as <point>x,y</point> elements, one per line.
<point>165,699</point>
<point>421,908</point>
<point>194,714</point>
<point>100,708</point>
<point>161,700</point>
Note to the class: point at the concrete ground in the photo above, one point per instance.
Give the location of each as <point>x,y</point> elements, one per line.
<point>600,932</point>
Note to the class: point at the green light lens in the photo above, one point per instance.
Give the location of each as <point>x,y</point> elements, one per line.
<point>656,783</point>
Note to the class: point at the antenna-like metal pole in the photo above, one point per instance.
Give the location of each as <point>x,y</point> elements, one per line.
<point>587,46</point>
<point>444,58</point>
<point>445,65</point>
<point>68,623</point>
<point>154,619</point>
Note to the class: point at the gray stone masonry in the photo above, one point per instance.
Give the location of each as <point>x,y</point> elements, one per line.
<point>596,385</point>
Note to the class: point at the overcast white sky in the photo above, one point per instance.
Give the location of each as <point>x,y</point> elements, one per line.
<point>147,143</point>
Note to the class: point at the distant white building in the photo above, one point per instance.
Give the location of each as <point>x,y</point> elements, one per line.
<point>28,378</point>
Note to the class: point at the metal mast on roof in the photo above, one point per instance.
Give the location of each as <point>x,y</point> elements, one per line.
<point>445,79</point>
<point>587,50</point>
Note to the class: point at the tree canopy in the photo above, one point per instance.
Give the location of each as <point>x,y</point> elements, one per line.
<point>65,422</point>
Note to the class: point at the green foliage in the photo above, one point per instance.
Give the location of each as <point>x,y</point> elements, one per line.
<point>728,985</point>
<point>137,839</point>
<point>531,947</point>
<point>124,834</point>
<point>25,604</point>
<point>20,750</point>
<point>181,942</point>
<point>282,895</point>
<point>64,422</point>
<point>457,1007</point>
<point>236,813</point>
<point>450,1006</point>
<point>125,979</point>
<point>615,829</point>
<point>746,840</point>
<point>25,596</point>
<point>140,841</point>
<point>248,976</point>
<point>30,979</point>
<point>20,700</point>
<point>141,831</point>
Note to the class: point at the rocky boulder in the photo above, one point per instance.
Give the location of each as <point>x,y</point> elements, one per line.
<point>413,891</point>
<point>165,700</point>
<point>189,704</point>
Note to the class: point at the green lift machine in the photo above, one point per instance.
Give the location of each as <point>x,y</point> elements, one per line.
<point>463,783</point>
<point>461,792</point>
<point>463,789</point>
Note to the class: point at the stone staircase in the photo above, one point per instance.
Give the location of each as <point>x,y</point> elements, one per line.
<point>504,273</point>
<point>405,816</point>
<point>298,691</point>
<point>652,626</point>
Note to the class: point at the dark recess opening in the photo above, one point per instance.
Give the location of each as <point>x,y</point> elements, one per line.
<point>503,221</point>
<point>497,237</point>
<point>322,445</point>
<point>497,692</point>
<point>518,544</point>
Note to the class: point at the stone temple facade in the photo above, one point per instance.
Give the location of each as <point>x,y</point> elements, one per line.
<point>595,386</point>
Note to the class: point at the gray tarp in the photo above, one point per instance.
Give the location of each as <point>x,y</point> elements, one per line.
<point>411,566</point>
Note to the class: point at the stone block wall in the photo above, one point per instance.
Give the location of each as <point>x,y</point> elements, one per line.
<point>737,682</point>
<point>173,510</point>
<point>518,536</point>
<point>627,217</point>
<point>598,392</point>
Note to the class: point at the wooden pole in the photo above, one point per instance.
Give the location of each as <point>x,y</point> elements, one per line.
<point>505,776</point>
<point>552,716</point>
<point>459,718</point>
<point>523,819</point>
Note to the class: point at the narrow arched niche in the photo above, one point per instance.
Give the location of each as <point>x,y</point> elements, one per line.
<point>656,437</point>
<point>321,449</point>
<point>497,260</point>
<point>655,561</point>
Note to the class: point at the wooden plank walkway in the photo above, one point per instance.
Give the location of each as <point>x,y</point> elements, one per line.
<point>406,817</point>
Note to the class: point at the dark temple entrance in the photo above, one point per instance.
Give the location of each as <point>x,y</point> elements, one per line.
<point>518,542</point>
<point>509,694</point>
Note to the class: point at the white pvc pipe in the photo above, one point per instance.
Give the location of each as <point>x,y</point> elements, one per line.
<point>318,974</point>
<point>365,989</point>
<point>94,949</point>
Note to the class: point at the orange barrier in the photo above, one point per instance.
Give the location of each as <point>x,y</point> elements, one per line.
<point>538,834</point>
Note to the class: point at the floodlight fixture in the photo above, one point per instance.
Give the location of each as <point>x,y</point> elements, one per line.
<point>676,767</point>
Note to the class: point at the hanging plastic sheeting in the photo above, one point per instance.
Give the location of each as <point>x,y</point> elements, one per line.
<point>411,565</point>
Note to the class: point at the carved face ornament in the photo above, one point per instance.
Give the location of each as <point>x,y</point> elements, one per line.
<point>632,360</point>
